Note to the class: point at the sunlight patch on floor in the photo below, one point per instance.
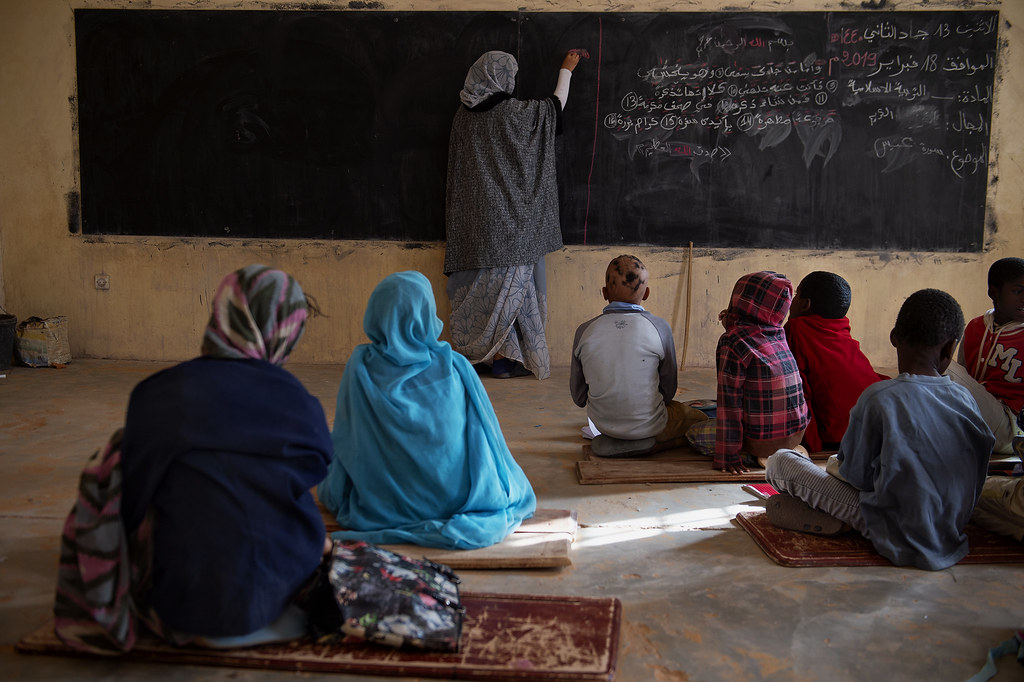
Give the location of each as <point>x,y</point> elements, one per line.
<point>624,530</point>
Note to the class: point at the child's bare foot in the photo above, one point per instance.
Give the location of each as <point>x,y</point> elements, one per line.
<point>787,511</point>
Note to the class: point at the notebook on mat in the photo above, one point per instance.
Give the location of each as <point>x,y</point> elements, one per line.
<point>761,490</point>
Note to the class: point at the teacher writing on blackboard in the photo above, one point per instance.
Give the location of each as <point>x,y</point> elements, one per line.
<point>502,217</point>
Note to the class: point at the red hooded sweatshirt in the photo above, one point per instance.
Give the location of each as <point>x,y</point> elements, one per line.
<point>835,372</point>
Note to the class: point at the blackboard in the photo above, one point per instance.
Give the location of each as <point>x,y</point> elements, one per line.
<point>848,130</point>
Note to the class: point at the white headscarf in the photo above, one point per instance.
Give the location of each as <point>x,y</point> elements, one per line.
<point>493,72</point>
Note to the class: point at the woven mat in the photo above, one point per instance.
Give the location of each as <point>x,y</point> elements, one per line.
<point>681,465</point>
<point>504,637</point>
<point>792,548</point>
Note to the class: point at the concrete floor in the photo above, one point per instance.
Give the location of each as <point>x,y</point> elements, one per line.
<point>700,600</point>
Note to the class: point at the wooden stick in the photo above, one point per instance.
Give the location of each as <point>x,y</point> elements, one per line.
<point>689,301</point>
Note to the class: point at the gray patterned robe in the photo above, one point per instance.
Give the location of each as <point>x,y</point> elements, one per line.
<point>501,219</point>
<point>502,200</point>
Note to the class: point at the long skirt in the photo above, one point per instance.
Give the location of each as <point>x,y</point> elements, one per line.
<point>501,311</point>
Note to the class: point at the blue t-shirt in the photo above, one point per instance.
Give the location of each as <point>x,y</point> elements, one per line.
<point>918,451</point>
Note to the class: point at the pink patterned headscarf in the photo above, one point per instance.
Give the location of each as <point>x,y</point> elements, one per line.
<point>258,313</point>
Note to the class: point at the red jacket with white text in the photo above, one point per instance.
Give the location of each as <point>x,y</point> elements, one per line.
<point>993,356</point>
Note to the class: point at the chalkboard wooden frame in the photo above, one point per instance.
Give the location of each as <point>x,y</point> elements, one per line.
<point>818,130</point>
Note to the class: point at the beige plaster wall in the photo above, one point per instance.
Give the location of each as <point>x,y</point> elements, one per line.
<point>160,288</point>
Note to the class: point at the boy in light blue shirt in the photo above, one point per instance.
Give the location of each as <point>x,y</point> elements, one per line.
<point>913,460</point>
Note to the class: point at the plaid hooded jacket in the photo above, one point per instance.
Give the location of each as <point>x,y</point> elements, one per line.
<point>760,393</point>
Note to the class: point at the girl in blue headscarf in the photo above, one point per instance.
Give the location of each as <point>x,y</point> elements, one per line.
<point>418,453</point>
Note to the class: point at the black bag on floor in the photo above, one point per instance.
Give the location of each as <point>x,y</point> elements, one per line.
<point>382,597</point>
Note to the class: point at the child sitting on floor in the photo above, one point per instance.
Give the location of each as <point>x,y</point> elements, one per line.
<point>1001,505</point>
<point>912,463</point>
<point>624,370</point>
<point>419,456</point>
<point>990,361</point>
<point>761,404</point>
<point>834,370</point>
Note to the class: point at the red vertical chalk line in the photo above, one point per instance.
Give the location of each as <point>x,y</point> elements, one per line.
<point>597,120</point>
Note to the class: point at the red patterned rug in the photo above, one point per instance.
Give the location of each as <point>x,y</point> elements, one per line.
<point>792,548</point>
<point>504,637</point>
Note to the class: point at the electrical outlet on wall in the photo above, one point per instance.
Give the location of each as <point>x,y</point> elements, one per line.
<point>102,282</point>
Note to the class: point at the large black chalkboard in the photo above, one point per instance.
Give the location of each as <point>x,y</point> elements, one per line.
<point>852,130</point>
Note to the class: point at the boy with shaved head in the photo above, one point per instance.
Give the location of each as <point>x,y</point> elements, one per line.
<point>624,370</point>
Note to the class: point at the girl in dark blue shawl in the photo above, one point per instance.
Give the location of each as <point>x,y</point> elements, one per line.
<point>419,456</point>
<point>220,453</point>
